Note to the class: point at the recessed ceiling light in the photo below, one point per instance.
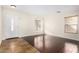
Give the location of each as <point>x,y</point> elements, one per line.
<point>58,11</point>
<point>13,6</point>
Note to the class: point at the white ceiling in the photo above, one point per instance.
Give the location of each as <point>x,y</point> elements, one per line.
<point>46,9</point>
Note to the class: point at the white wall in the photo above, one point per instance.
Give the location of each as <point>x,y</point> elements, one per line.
<point>0,24</point>
<point>54,25</point>
<point>23,23</point>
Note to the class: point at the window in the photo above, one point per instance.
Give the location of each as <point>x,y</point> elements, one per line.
<point>38,24</point>
<point>71,24</point>
<point>12,24</point>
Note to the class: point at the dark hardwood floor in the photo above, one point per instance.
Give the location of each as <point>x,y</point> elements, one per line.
<point>43,43</point>
<point>53,44</point>
<point>16,45</point>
